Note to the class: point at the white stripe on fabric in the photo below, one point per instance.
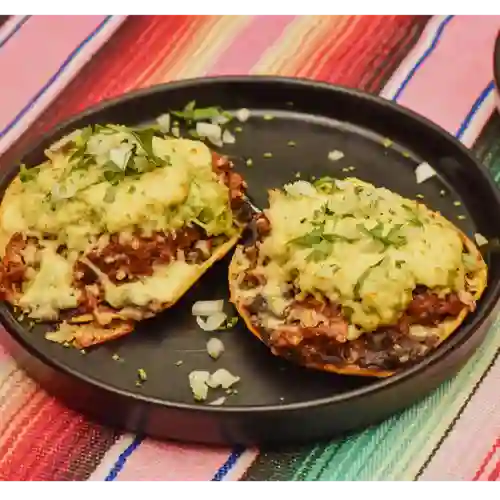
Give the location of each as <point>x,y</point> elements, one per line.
<point>111,457</point>
<point>10,27</point>
<point>462,451</point>
<point>62,80</point>
<point>242,465</point>
<point>479,119</point>
<point>411,60</point>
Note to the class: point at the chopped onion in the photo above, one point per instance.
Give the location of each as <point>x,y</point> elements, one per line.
<point>176,132</point>
<point>212,322</point>
<point>423,172</point>
<point>480,239</point>
<point>228,137</point>
<point>219,401</point>
<point>211,131</point>
<point>207,307</point>
<point>215,348</point>
<point>335,155</point>
<point>164,123</point>
<point>62,192</point>
<point>300,188</point>
<point>220,119</point>
<point>198,382</point>
<point>222,378</point>
<point>121,155</point>
<point>243,114</point>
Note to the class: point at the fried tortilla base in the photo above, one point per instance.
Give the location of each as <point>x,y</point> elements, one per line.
<point>444,330</point>
<point>85,330</point>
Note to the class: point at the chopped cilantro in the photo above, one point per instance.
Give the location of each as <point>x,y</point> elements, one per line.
<point>26,174</point>
<point>145,140</point>
<point>362,279</point>
<point>392,238</point>
<point>325,185</point>
<point>112,175</point>
<point>192,114</point>
<point>413,218</point>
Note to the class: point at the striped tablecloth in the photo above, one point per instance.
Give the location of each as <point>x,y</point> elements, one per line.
<point>52,67</point>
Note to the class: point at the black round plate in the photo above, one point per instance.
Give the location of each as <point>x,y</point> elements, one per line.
<point>276,401</point>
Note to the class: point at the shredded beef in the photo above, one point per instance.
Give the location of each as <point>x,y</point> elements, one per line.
<point>316,332</point>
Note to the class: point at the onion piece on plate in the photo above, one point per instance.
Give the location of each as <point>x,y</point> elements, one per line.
<point>222,378</point>
<point>198,382</point>
<point>215,348</point>
<point>207,307</point>
<point>228,137</point>
<point>212,322</point>
<point>423,172</point>
<point>335,155</point>
<point>243,114</point>
<point>480,239</point>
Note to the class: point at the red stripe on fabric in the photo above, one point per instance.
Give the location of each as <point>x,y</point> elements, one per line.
<point>334,67</point>
<point>17,425</point>
<point>117,67</point>
<point>487,460</point>
<point>367,47</point>
<point>390,49</point>
<point>188,30</point>
<point>317,49</point>
<point>495,473</point>
<point>53,442</point>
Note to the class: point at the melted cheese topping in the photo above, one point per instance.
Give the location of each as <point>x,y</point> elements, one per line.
<point>126,186</point>
<point>363,247</point>
<point>165,286</point>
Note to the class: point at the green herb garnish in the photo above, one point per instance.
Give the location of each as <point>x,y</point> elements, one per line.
<point>413,218</point>
<point>26,175</point>
<point>392,238</point>
<point>192,114</point>
<point>326,185</point>
<point>362,279</point>
<point>145,140</point>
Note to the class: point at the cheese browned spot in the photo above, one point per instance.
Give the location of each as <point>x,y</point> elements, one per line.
<point>345,273</point>
<point>115,226</point>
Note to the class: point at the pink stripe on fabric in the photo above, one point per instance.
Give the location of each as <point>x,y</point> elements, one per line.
<point>446,85</point>
<point>157,461</point>
<point>23,69</point>
<point>4,355</point>
<point>249,45</point>
<point>470,441</point>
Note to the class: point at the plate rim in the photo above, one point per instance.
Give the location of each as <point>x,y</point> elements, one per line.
<point>16,331</point>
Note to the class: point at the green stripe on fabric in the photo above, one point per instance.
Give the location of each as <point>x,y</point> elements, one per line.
<point>398,448</point>
<point>280,465</point>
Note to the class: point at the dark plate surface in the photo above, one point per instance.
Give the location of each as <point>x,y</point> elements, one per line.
<point>276,401</point>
